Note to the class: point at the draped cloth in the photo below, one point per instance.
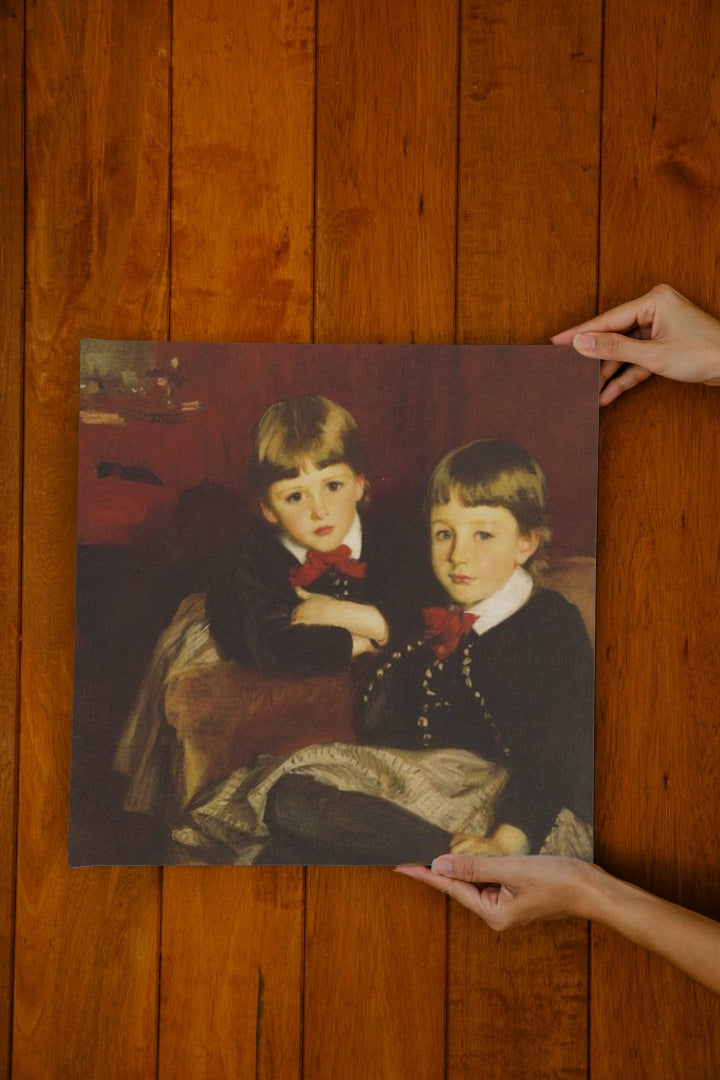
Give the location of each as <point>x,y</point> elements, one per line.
<point>452,789</point>
<point>148,751</point>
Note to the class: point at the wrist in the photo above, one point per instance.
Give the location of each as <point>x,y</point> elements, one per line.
<point>370,623</point>
<point>597,894</point>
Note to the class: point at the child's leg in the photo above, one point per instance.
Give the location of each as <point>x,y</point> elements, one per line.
<point>313,824</point>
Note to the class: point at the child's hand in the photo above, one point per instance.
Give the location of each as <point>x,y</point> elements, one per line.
<point>362,645</point>
<point>677,340</point>
<point>360,620</point>
<point>506,840</point>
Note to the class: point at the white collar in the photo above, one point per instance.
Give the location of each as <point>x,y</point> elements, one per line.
<point>508,599</point>
<point>352,538</point>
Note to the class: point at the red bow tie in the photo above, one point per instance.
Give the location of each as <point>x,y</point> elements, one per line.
<point>318,562</point>
<point>446,626</point>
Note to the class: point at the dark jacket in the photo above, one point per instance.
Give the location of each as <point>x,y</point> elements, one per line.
<point>251,603</point>
<point>522,694</point>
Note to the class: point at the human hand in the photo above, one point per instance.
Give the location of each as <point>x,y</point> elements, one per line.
<point>667,336</point>
<point>363,621</point>
<point>513,890</point>
<point>362,645</point>
<point>521,889</point>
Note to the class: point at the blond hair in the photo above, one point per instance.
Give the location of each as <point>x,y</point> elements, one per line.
<point>309,427</point>
<point>493,472</point>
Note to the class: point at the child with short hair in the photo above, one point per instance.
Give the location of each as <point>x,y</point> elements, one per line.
<point>315,582</point>
<point>505,671</point>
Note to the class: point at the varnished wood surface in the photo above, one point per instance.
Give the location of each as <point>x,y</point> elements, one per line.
<point>376,171</point>
<point>529,167</point>
<point>385,193</point>
<point>12,273</point>
<point>657,745</point>
<point>86,942</point>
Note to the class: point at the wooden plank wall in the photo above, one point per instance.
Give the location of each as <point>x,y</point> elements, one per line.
<point>11,392</point>
<point>658,786</point>
<point>97,239</point>
<point>374,170</point>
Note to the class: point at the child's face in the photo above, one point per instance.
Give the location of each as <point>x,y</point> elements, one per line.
<point>475,549</point>
<point>317,507</point>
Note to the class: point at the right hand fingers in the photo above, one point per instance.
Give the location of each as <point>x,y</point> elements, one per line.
<point>639,312</point>
<point>639,358</point>
<point>618,349</point>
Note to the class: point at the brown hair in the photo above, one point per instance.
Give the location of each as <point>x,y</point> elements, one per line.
<point>311,427</point>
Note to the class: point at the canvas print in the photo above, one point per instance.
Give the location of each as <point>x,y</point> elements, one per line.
<point>335,603</point>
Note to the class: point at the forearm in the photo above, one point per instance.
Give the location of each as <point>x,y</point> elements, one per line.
<point>362,620</point>
<point>685,939</point>
<point>298,650</point>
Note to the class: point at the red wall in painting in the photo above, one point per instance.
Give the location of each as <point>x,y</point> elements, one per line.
<point>412,403</point>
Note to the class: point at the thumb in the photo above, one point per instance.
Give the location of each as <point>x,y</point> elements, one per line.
<point>619,349</point>
<point>477,868</point>
<point>303,594</point>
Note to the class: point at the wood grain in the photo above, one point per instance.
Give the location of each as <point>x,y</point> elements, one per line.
<point>385,262</point>
<point>529,159</point>
<point>375,976</point>
<point>658,750</point>
<point>660,151</point>
<point>243,139</point>
<point>657,754</point>
<point>243,143</point>
<point>386,176</point>
<point>97,178</point>
<point>231,1001</point>
<point>12,224</point>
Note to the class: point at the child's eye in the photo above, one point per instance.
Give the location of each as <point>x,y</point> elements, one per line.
<point>335,485</point>
<point>443,534</point>
<point>483,535</point>
<point>293,497</point>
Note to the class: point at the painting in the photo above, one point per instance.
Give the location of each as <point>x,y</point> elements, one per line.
<point>335,603</point>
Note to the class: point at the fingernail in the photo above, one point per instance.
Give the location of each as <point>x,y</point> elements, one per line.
<point>443,865</point>
<point>584,341</point>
